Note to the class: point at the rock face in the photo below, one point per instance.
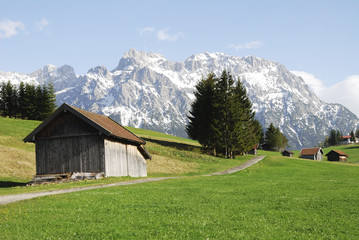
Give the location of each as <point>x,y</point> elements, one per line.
<point>148,91</point>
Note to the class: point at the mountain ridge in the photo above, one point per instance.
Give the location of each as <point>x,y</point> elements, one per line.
<point>147,90</point>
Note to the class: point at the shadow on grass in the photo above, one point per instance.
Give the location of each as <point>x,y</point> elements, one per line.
<point>178,146</point>
<point>9,184</point>
<point>352,147</point>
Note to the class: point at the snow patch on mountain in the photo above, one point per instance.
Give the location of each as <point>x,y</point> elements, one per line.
<point>148,91</point>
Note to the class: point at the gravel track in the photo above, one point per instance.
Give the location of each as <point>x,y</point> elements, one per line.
<point>18,197</point>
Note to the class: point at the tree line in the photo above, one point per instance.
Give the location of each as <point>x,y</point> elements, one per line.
<point>221,118</point>
<point>335,137</point>
<point>27,101</point>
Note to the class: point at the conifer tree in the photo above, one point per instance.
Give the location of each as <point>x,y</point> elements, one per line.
<point>21,104</point>
<point>221,118</point>
<point>201,117</point>
<point>245,128</point>
<point>49,100</point>
<point>223,123</point>
<point>275,140</point>
<point>10,99</point>
<point>332,138</point>
<point>29,101</point>
<point>339,137</point>
<point>2,99</point>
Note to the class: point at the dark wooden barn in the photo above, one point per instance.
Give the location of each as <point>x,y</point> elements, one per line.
<point>74,140</point>
<point>312,153</point>
<point>287,153</point>
<point>336,155</point>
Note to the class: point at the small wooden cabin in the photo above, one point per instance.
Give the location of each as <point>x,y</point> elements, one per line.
<point>287,153</point>
<point>74,140</point>
<point>312,153</point>
<point>336,155</point>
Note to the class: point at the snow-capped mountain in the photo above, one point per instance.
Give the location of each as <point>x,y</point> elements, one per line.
<point>148,91</point>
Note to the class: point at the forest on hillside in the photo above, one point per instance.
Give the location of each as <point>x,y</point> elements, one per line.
<point>27,101</point>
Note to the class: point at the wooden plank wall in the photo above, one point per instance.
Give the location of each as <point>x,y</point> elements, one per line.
<point>70,154</point>
<point>115,159</point>
<point>66,124</point>
<point>123,160</point>
<point>136,162</point>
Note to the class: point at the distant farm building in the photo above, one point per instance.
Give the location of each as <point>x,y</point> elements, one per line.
<point>336,155</point>
<point>74,140</point>
<point>347,139</point>
<point>312,153</point>
<point>287,153</point>
<point>254,149</point>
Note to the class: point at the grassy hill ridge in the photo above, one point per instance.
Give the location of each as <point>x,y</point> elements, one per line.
<point>172,156</point>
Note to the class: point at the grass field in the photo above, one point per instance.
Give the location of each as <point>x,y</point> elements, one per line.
<point>278,198</point>
<point>171,156</point>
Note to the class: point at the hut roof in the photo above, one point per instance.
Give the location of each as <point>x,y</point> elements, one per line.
<point>310,151</point>
<point>286,151</point>
<point>102,123</point>
<point>340,153</point>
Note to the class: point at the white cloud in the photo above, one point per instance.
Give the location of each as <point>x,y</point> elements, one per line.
<point>314,83</point>
<point>344,92</point>
<point>248,45</point>
<point>163,35</point>
<point>10,28</point>
<point>146,30</point>
<point>40,25</point>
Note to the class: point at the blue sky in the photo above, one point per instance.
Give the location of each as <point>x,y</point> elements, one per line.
<point>319,39</point>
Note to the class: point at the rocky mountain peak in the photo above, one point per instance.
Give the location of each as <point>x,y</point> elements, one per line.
<point>139,59</point>
<point>99,70</point>
<point>148,88</point>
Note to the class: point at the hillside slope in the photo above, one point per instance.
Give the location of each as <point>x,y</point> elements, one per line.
<point>171,155</point>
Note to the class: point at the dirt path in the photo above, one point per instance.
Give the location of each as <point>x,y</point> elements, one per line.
<point>18,197</point>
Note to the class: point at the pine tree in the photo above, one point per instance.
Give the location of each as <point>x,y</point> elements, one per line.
<point>201,117</point>
<point>224,128</point>
<point>246,130</point>
<point>29,102</point>
<point>271,137</point>
<point>275,140</point>
<point>48,101</point>
<point>21,104</point>
<point>258,131</point>
<point>326,142</point>
<point>221,118</point>
<point>2,99</point>
<point>332,138</point>
<point>339,137</point>
<point>10,99</point>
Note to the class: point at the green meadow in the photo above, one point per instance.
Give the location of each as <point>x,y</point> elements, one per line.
<point>277,198</point>
<point>171,156</point>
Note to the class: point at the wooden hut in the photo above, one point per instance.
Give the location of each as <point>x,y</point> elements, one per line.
<point>74,140</point>
<point>312,153</point>
<point>336,155</point>
<point>287,153</point>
